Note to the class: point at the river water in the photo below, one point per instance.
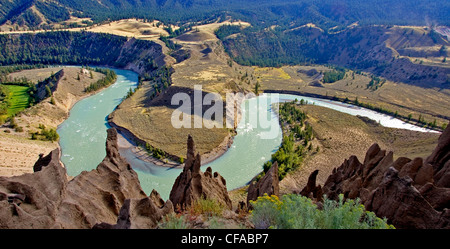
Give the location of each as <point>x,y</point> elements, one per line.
<point>83,134</point>
<point>83,137</point>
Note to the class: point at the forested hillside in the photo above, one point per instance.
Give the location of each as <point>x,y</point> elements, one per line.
<point>361,48</point>
<point>78,48</point>
<point>325,13</point>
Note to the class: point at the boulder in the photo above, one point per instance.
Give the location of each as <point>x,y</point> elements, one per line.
<point>192,184</point>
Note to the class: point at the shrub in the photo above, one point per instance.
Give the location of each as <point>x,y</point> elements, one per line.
<point>333,76</point>
<point>299,212</point>
<point>265,212</point>
<point>174,221</point>
<point>12,123</point>
<point>206,207</point>
<point>50,135</point>
<point>208,211</point>
<point>45,134</point>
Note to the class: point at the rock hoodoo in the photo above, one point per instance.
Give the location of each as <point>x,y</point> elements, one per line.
<point>51,158</point>
<point>409,193</point>
<point>311,190</point>
<point>268,184</point>
<point>46,199</point>
<point>192,184</point>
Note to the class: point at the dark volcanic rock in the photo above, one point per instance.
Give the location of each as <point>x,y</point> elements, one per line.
<point>192,184</point>
<point>409,193</point>
<point>269,184</point>
<point>46,199</point>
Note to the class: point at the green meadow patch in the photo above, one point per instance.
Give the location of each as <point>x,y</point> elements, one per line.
<point>18,99</point>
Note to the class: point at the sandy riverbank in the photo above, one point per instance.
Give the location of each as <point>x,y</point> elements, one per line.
<point>125,143</point>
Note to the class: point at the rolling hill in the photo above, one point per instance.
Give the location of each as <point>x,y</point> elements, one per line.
<point>325,13</point>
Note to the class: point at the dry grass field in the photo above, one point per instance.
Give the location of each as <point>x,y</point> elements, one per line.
<point>135,28</point>
<point>18,154</point>
<point>403,98</point>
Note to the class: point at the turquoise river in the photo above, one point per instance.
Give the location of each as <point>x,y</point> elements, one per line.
<point>83,136</point>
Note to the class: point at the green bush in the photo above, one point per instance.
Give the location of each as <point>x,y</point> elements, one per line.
<point>45,134</point>
<point>50,135</point>
<point>210,211</point>
<point>291,153</point>
<point>110,77</point>
<point>299,212</point>
<point>333,76</point>
<point>174,221</point>
<point>206,207</point>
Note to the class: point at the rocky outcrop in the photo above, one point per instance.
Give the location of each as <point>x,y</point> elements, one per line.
<point>409,193</point>
<point>142,213</point>
<point>403,205</point>
<point>268,184</point>
<point>46,199</point>
<point>440,160</point>
<point>49,84</point>
<point>51,158</point>
<point>192,184</point>
<point>32,200</point>
<point>311,190</point>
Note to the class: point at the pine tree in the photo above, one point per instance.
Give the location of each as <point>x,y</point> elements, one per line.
<point>257,85</point>
<point>49,92</point>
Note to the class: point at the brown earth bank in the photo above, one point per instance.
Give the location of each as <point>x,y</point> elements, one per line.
<point>131,142</point>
